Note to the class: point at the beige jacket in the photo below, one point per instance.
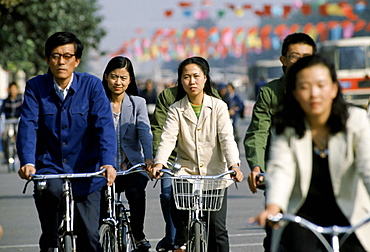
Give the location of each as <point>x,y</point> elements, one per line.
<point>206,145</point>
<point>289,170</point>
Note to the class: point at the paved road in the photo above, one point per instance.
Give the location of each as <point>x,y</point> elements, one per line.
<point>19,219</point>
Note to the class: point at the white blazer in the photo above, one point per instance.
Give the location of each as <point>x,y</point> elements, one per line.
<point>289,170</point>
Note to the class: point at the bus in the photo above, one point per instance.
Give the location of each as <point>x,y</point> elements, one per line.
<point>263,71</point>
<point>351,58</point>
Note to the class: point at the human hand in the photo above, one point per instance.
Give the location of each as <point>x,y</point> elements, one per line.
<point>252,179</point>
<point>261,218</point>
<point>155,171</point>
<point>25,171</point>
<point>110,174</point>
<point>238,176</point>
<point>149,164</point>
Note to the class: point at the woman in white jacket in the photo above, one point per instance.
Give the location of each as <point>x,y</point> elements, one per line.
<point>320,161</point>
<point>200,124</point>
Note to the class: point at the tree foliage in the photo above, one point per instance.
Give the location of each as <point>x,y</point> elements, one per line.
<point>26,24</point>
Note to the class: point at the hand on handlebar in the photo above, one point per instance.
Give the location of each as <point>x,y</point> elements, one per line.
<point>255,179</point>
<point>238,175</point>
<point>110,174</point>
<point>149,164</point>
<point>155,171</point>
<point>25,171</point>
<point>262,218</point>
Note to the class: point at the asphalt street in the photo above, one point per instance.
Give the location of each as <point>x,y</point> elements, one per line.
<point>19,219</point>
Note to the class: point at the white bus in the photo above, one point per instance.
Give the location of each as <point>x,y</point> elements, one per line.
<point>352,62</point>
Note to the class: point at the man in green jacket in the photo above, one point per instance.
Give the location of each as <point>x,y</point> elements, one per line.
<point>257,137</point>
<point>259,132</point>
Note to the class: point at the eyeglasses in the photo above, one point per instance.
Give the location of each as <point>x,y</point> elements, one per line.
<point>294,58</point>
<point>57,56</point>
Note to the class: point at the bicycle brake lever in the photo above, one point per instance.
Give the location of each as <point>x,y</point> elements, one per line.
<point>155,183</point>
<point>25,186</point>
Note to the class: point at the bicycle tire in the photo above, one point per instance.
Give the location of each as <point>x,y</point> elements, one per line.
<point>107,238</point>
<point>67,243</point>
<point>128,240</point>
<point>195,238</point>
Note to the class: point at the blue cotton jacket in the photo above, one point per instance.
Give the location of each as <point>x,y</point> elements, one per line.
<point>70,136</point>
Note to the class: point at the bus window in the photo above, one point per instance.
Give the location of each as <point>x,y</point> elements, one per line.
<point>352,57</point>
<point>274,72</point>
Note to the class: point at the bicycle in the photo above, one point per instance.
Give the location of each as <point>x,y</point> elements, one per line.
<point>67,238</point>
<point>319,231</point>
<point>116,228</point>
<point>198,193</point>
<point>10,135</point>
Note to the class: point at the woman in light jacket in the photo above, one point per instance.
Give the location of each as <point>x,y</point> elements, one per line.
<point>134,139</point>
<point>200,124</point>
<point>320,161</point>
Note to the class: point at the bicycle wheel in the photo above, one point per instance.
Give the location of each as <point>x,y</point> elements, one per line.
<point>67,243</point>
<point>194,243</point>
<point>107,238</point>
<point>197,238</point>
<point>127,240</point>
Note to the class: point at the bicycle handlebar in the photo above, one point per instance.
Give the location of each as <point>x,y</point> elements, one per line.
<point>316,229</point>
<point>40,177</point>
<point>132,169</point>
<point>197,176</point>
<point>37,177</point>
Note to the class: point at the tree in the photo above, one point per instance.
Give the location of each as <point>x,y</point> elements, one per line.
<point>26,24</point>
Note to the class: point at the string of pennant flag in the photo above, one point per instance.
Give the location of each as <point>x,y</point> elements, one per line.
<point>341,8</point>
<point>219,43</point>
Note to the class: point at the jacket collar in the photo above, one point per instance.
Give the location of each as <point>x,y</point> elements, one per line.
<point>188,112</point>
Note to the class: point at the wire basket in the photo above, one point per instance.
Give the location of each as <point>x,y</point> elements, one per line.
<point>202,194</point>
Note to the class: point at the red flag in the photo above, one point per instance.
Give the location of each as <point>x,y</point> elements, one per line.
<point>168,13</point>
<point>322,9</point>
<point>360,25</point>
<point>306,9</point>
<point>185,4</point>
<point>287,10</point>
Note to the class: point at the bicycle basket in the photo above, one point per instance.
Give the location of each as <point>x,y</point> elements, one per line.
<point>204,194</point>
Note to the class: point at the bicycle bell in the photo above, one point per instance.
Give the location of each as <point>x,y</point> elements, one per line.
<point>41,185</point>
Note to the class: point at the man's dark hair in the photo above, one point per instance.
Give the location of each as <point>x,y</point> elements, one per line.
<point>297,38</point>
<point>63,38</point>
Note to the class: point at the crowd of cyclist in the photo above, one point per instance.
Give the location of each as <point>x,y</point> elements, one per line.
<point>75,122</point>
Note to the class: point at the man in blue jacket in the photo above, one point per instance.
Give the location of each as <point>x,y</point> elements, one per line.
<point>66,127</point>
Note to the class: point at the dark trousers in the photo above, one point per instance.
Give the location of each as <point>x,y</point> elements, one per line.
<point>50,207</point>
<point>134,186</point>
<point>218,238</point>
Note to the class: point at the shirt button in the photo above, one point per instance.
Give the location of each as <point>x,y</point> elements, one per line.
<point>64,144</point>
<point>198,129</point>
<point>64,126</point>
<point>65,160</point>
<point>201,165</point>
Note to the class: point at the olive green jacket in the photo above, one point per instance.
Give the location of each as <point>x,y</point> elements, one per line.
<point>165,99</point>
<point>257,137</point>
